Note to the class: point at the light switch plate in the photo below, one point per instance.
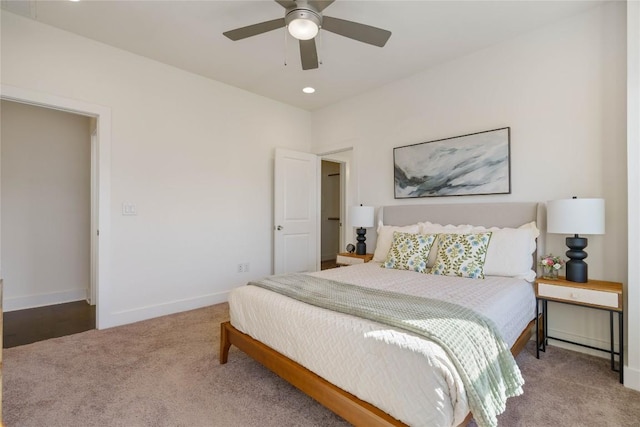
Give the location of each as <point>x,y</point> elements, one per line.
<point>129,209</point>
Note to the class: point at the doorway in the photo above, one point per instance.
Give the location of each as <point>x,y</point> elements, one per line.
<point>330,212</point>
<point>298,224</point>
<point>46,211</point>
<point>102,119</point>
<point>342,193</point>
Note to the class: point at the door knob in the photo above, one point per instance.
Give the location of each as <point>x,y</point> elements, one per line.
<point>279,227</point>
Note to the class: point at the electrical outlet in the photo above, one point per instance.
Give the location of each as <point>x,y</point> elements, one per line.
<point>240,268</point>
<point>246,267</point>
<point>243,267</point>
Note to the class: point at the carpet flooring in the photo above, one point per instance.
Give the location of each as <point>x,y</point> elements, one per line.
<point>165,372</point>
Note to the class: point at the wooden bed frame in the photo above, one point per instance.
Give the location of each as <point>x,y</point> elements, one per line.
<point>342,403</point>
<point>354,410</point>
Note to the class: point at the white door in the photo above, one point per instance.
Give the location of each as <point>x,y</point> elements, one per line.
<point>295,212</point>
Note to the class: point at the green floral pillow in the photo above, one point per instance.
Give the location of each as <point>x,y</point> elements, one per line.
<point>409,251</point>
<point>462,255</point>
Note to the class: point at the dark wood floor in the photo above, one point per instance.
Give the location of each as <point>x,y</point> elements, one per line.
<point>325,265</point>
<point>41,323</point>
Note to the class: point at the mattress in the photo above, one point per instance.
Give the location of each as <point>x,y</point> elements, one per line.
<point>401,373</point>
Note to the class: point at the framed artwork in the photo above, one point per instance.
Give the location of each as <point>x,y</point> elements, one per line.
<point>474,164</point>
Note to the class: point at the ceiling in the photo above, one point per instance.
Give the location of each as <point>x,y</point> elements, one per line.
<point>188,35</point>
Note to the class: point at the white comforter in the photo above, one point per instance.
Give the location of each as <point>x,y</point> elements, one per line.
<point>401,373</point>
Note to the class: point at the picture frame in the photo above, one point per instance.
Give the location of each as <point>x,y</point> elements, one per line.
<point>473,164</point>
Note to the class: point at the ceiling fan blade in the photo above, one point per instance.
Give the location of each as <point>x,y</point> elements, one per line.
<point>286,3</point>
<point>308,54</point>
<point>354,30</point>
<point>320,5</point>
<point>255,29</point>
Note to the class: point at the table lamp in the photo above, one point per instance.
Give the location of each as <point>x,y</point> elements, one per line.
<point>361,217</point>
<point>576,216</point>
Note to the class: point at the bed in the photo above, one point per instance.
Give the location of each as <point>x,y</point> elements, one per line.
<point>374,374</point>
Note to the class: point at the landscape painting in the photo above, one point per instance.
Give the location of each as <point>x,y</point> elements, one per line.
<point>464,165</point>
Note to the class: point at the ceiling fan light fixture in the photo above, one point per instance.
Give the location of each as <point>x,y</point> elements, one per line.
<point>303,19</point>
<point>303,24</point>
<point>303,29</point>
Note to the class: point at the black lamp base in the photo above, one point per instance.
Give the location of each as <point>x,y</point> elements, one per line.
<point>361,246</point>
<point>576,267</point>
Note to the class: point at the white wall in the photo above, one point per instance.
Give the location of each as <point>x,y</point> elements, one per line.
<point>195,156</point>
<point>45,206</point>
<point>632,373</point>
<point>561,89</point>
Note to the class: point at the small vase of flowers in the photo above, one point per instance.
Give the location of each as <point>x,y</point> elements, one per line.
<point>551,265</point>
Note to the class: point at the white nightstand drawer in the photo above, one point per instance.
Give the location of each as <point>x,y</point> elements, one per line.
<point>578,295</point>
<point>348,260</point>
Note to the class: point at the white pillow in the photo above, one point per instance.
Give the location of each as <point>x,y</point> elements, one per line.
<point>385,238</point>
<point>510,251</point>
<point>431,228</point>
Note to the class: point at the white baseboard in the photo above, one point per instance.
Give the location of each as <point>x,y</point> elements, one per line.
<point>124,317</point>
<point>632,378</point>
<point>32,301</point>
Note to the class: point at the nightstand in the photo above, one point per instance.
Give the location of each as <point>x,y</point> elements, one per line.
<point>346,258</point>
<point>596,294</point>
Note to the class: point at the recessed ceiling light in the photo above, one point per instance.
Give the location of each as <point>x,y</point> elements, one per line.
<point>308,89</point>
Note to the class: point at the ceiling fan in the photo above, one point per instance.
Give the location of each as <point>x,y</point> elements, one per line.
<point>303,19</point>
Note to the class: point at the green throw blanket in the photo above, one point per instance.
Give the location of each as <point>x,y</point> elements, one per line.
<point>484,361</point>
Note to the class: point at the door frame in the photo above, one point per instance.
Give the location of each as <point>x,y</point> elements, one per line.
<point>102,246</point>
<point>93,228</point>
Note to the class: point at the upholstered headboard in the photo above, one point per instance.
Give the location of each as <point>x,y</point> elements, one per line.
<point>484,214</point>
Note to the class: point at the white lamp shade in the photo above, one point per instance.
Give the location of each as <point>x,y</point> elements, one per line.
<point>362,216</point>
<point>575,216</point>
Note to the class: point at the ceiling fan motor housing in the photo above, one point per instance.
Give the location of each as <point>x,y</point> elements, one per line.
<point>304,13</point>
